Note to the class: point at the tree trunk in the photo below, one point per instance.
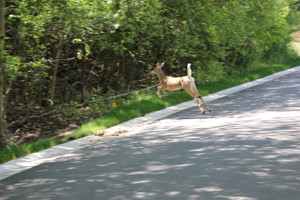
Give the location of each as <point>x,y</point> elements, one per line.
<point>2,95</point>
<point>56,63</point>
<point>83,79</point>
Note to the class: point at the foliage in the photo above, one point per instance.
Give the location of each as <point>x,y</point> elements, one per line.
<point>122,39</point>
<point>293,17</point>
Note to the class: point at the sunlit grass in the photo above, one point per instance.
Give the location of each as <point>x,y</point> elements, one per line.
<point>138,105</point>
<point>295,43</point>
<point>296,46</point>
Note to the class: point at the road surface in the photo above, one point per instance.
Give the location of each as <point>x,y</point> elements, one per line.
<point>248,148</point>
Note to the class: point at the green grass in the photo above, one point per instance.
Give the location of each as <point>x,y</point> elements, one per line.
<point>139,105</point>
<point>14,152</point>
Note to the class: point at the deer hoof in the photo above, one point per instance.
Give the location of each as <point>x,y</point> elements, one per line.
<point>203,113</point>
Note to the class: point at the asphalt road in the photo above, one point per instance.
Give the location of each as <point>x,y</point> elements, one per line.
<point>248,148</point>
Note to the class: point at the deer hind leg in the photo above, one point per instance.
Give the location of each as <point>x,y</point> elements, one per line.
<point>192,90</point>
<point>199,106</point>
<point>196,95</point>
<point>196,99</point>
<point>206,106</point>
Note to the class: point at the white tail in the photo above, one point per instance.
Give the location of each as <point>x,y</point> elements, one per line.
<point>189,71</point>
<point>174,83</point>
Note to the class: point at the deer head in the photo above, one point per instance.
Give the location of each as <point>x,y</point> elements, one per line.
<point>157,69</point>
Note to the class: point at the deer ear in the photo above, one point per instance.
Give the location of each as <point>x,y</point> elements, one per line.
<point>159,65</point>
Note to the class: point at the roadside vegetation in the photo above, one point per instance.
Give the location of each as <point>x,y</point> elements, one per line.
<point>60,55</point>
<point>138,105</point>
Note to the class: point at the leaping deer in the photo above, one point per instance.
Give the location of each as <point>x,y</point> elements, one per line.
<point>175,83</point>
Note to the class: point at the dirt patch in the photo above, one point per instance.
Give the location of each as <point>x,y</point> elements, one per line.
<point>50,127</point>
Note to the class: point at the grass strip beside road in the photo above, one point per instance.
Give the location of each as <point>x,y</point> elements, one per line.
<point>139,105</point>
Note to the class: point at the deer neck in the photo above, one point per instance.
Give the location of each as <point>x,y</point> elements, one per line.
<point>161,76</point>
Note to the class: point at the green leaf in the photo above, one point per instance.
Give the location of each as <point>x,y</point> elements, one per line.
<point>87,48</point>
<point>77,40</point>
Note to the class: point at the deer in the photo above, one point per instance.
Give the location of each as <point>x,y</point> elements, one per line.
<point>175,83</point>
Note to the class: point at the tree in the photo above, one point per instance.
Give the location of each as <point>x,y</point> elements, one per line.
<point>2,95</point>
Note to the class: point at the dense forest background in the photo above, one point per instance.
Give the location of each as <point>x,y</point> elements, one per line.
<point>65,52</point>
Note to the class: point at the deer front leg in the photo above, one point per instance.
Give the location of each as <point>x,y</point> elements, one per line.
<point>206,106</point>
<point>158,92</point>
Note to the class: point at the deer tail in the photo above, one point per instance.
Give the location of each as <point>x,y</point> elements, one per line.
<point>192,83</point>
<point>189,71</point>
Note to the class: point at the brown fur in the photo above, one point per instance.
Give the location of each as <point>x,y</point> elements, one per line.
<point>174,83</point>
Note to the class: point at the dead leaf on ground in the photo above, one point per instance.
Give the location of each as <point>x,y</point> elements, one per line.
<point>104,134</point>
